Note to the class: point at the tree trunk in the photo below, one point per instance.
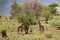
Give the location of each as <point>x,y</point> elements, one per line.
<point>20,28</point>
<point>26,28</point>
<point>36,10</point>
<point>41,27</point>
<point>46,20</point>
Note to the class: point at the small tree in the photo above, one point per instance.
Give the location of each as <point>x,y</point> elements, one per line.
<point>24,16</point>
<point>53,7</point>
<point>27,18</point>
<point>46,13</point>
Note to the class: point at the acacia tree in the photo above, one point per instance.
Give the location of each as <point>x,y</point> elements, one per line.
<point>36,7</point>
<point>53,7</point>
<point>26,16</point>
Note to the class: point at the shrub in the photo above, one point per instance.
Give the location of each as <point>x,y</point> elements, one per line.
<point>48,35</point>
<point>31,30</point>
<point>58,27</point>
<point>4,34</point>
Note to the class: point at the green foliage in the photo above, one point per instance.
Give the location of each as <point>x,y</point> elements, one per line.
<point>26,15</point>
<point>55,22</point>
<point>31,30</point>
<point>58,27</point>
<point>49,35</point>
<point>5,22</point>
<point>53,5</point>
<point>15,8</point>
<point>24,18</point>
<point>15,5</point>
<point>46,12</point>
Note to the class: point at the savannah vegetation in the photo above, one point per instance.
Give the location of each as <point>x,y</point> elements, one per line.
<point>31,21</point>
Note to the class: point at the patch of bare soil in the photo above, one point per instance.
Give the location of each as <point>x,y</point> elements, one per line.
<point>48,39</point>
<point>55,30</point>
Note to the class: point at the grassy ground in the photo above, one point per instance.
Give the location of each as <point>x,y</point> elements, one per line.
<point>50,33</point>
<point>34,35</point>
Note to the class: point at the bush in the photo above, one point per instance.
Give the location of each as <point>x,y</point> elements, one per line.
<point>31,30</point>
<point>58,27</point>
<point>4,34</point>
<point>55,22</point>
<point>49,35</point>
